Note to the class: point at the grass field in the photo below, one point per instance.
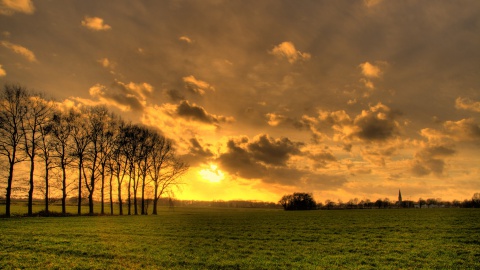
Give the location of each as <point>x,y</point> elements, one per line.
<point>205,238</point>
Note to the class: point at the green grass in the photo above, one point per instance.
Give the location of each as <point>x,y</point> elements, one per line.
<point>205,238</point>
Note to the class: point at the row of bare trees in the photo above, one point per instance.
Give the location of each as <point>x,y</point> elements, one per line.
<point>97,146</point>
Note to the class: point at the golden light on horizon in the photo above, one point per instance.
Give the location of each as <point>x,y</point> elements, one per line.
<point>212,174</point>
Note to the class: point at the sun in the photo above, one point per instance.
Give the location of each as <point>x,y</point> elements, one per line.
<point>212,174</point>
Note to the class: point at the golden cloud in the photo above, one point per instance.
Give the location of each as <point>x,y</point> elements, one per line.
<point>9,7</point>
<point>287,50</point>
<point>369,70</point>
<point>2,72</point>
<point>467,104</point>
<point>29,55</point>
<point>197,86</point>
<point>95,24</point>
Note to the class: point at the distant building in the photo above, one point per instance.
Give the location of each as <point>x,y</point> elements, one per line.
<point>399,197</point>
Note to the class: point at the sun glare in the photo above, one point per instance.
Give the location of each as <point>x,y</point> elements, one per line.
<point>212,174</point>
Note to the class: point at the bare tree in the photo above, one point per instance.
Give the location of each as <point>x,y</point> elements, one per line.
<point>36,118</point>
<point>46,147</point>
<point>61,131</point>
<point>105,143</point>
<point>165,169</point>
<point>81,140</point>
<point>96,132</point>
<point>119,163</point>
<point>12,113</point>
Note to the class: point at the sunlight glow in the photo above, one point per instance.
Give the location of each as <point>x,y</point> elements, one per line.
<point>212,174</point>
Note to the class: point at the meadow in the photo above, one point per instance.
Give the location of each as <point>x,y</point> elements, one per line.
<point>233,238</point>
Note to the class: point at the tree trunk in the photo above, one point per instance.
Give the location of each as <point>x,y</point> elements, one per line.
<point>46,188</point>
<point>155,199</point>
<point>64,189</point>
<point>30,191</point>
<point>120,203</point>
<point>79,210</point>
<point>143,196</point>
<point>102,191</point>
<point>111,194</point>
<point>90,193</point>
<point>9,186</point>
<point>129,196</point>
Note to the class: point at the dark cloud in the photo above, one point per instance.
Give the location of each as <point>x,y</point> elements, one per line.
<point>198,154</point>
<point>264,158</point>
<point>197,113</point>
<point>323,158</point>
<point>238,161</point>
<point>175,95</point>
<point>126,96</point>
<point>431,159</point>
<point>377,124</point>
<point>273,151</point>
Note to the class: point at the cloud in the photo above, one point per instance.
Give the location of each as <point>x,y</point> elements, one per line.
<point>106,63</point>
<point>95,24</point>
<point>371,3</point>
<point>323,158</point>
<point>263,158</point>
<point>29,55</point>
<point>274,119</point>
<point>125,96</point>
<point>288,51</point>
<point>430,159</point>
<point>10,7</point>
<point>197,86</point>
<point>3,73</point>
<point>467,104</point>
<point>463,130</point>
<point>197,113</point>
<point>273,151</point>
<point>175,95</point>
<point>369,70</point>
<point>197,153</point>
<point>376,124</point>
<point>185,39</point>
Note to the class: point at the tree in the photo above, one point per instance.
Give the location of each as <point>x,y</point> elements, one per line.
<point>81,140</point>
<point>95,124</point>
<point>476,200</point>
<point>12,113</point>
<point>119,161</point>
<point>46,147</point>
<point>421,202</point>
<point>36,118</point>
<point>61,132</point>
<point>298,201</point>
<point>165,170</point>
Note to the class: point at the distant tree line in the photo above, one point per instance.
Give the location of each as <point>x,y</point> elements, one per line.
<point>305,201</point>
<point>90,144</point>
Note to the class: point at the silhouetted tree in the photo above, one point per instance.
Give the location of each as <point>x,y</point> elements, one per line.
<point>166,171</point>
<point>36,117</point>
<point>421,202</point>
<point>81,140</point>
<point>298,201</point>
<point>476,200</point>
<point>12,113</point>
<point>61,132</point>
<point>46,147</point>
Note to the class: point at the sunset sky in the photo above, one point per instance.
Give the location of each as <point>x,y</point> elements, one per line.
<point>344,99</point>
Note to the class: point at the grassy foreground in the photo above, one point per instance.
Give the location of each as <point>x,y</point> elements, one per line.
<point>204,238</point>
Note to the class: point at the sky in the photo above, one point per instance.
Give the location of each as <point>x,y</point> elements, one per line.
<point>342,99</point>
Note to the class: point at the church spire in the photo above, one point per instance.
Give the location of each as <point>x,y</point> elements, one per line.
<point>399,196</point>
